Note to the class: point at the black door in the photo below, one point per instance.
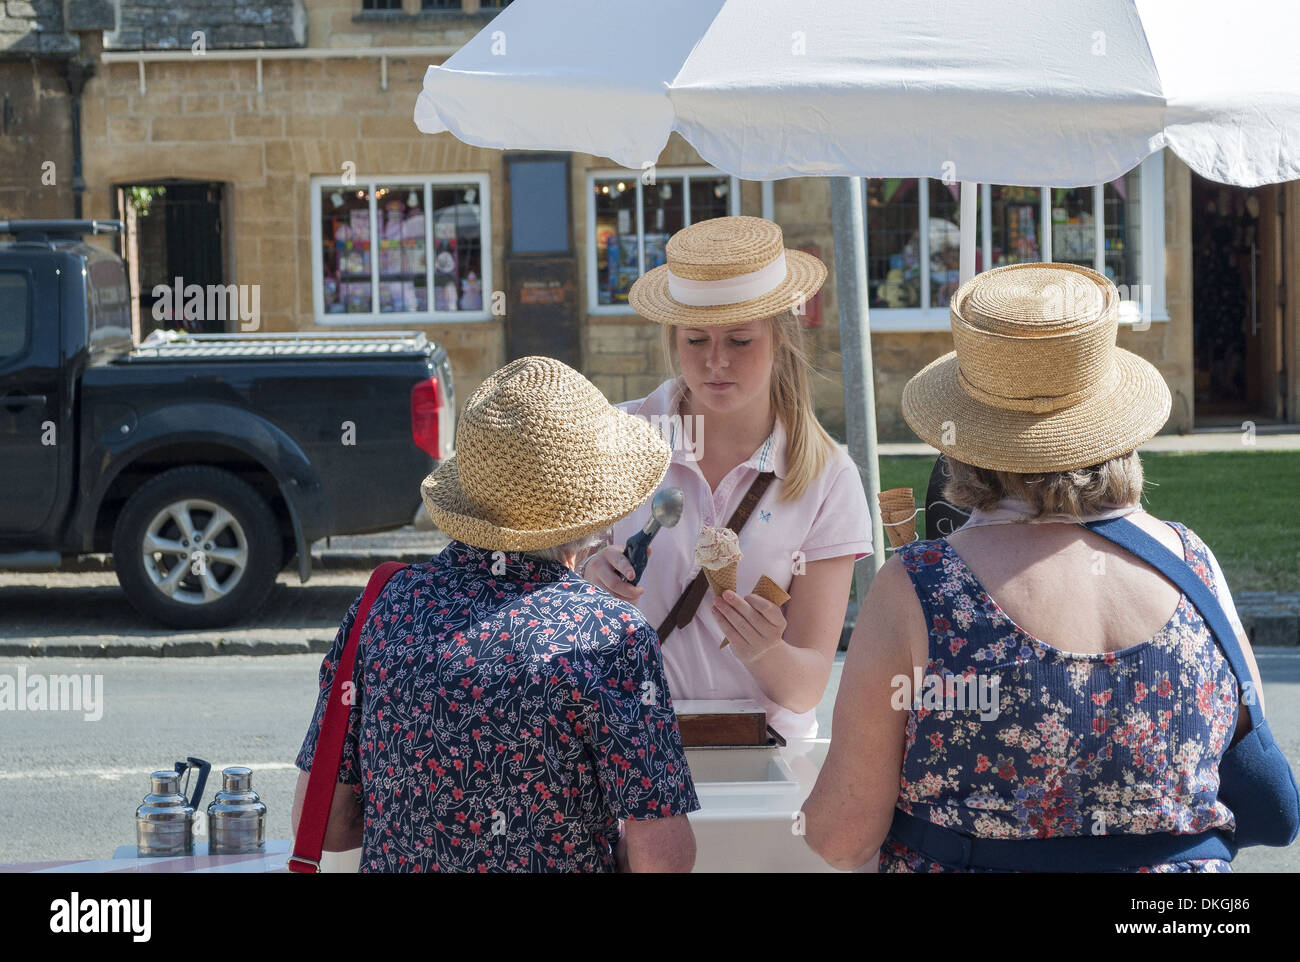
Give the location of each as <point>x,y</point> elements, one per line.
<point>178,235</point>
<point>1233,301</point>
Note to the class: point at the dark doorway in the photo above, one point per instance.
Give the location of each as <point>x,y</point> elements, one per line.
<point>541,265</point>
<point>173,231</point>
<point>1234,302</point>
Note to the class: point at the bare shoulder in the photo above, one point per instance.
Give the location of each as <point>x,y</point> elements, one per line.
<point>891,583</point>
<point>1159,530</point>
<point>892,611</point>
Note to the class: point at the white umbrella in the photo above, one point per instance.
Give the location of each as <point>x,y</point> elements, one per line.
<point>1018,92</point>
<point>1032,92</point>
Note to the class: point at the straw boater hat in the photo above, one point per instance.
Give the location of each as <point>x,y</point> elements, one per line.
<point>542,459</point>
<point>1036,383</point>
<point>726,270</point>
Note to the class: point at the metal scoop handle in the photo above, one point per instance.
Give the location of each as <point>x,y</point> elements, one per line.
<point>637,551</point>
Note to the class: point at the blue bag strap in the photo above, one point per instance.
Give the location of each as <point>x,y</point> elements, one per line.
<point>1074,853</point>
<point>1126,534</point>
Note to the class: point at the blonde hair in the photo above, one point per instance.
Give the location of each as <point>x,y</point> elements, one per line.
<point>1111,484</point>
<point>808,445</point>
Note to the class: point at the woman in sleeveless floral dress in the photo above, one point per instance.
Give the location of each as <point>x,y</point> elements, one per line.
<point>1023,678</point>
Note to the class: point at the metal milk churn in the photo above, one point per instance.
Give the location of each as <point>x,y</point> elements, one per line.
<point>164,822</point>
<point>236,817</point>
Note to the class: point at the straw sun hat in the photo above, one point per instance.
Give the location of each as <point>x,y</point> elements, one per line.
<point>1036,383</point>
<point>726,270</point>
<point>542,459</point>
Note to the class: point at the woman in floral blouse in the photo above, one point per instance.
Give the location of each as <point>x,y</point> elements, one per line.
<point>1024,678</point>
<point>508,716</point>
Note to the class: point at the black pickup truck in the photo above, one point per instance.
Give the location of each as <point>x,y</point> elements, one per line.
<point>204,463</point>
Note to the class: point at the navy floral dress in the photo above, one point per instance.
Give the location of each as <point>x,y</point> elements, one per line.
<point>1125,742</point>
<point>508,715</point>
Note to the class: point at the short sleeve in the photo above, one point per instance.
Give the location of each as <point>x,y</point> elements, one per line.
<point>349,765</point>
<point>1223,594</point>
<point>634,738</point>
<point>843,522</point>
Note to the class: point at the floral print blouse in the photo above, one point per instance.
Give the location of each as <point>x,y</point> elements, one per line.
<point>507,715</point>
<point>1125,742</point>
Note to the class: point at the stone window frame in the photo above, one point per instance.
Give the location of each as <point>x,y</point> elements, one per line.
<point>613,173</point>
<point>481,181</point>
<point>1152,260</point>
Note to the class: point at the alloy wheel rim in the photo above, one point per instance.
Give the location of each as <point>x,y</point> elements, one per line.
<point>194,551</point>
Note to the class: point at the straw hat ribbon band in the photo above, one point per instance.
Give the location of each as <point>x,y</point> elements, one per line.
<point>1032,405</point>
<point>727,290</point>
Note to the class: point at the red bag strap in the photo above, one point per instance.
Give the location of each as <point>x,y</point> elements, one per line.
<point>309,841</point>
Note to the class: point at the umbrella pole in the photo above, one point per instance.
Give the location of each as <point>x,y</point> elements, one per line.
<point>848,219</point>
<point>969,191</point>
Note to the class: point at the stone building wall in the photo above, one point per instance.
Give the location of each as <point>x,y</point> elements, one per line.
<point>204,119</point>
<point>225,24</point>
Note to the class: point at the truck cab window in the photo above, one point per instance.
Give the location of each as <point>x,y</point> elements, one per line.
<point>15,319</point>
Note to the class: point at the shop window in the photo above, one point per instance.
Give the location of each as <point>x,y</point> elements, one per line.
<point>402,247</point>
<point>631,222</point>
<point>913,272</point>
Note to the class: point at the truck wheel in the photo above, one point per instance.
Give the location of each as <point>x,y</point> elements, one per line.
<point>196,547</point>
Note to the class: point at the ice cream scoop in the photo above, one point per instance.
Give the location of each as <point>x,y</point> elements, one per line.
<point>665,512</point>
<point>717,548</point>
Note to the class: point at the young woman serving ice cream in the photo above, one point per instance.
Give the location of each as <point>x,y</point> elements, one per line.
<point>738,414</point>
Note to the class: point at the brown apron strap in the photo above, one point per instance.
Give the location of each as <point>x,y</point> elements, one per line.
<point>681,614</point>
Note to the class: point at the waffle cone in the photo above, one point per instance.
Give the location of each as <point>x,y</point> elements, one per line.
<point>722,579</point>
<point>896,497</point>
<point>769,590</point>
<point>898,515</point>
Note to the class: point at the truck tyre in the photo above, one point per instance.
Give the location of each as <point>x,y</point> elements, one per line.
<point>196,547</point>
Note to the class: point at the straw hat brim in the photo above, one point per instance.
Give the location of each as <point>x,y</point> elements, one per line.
<point>1132,407</point>
<point>649,296</point>
<point>630,482</point>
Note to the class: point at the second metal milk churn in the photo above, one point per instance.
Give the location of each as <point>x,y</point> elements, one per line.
<point>236,817</point>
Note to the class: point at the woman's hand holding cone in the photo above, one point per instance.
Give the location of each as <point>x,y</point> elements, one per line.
<point>752,624</point>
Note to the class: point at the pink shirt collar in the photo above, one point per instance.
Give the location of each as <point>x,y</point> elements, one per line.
<point>664,402</point>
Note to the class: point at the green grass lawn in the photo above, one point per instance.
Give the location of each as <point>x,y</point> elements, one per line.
<point>1243,504</point>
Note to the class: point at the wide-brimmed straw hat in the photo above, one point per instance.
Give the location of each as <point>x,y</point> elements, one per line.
<point>1036,383</point>
<point>542,459</point>
<point>726,270</point>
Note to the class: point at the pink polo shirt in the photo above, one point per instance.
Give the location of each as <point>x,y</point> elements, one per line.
<point>829,520</point>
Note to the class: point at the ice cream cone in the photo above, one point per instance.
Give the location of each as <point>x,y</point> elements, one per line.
<point>769,590</point>
<point>722,579</point>
<point>898,515</point>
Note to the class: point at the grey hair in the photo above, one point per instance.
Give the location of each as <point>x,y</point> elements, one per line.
<point>1076,493</point>
<point>577,547</point>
